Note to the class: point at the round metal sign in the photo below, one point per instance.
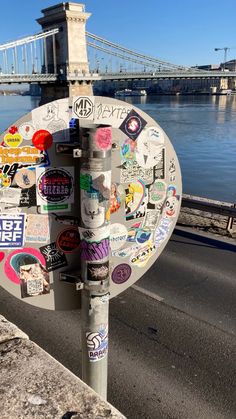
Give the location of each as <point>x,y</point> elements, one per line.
<point>39,198</point>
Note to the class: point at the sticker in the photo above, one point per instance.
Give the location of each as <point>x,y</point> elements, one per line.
<point>110,114</point>
<point>127,150</point>
<point>53,117</point>
<point>42,139</point>
<point>10,196</point>
<point>25,178</point>
<point>13,140</point>
<point>68,240</point>
<point>83,107</point>
<point>135,204</point>
<point>47,208</point>
<point>26,156</point>
<point>97,344</point>
<point>27,131</point>
<point>94,250</point>
<point>97,271</point>
<point>162,231</point>
<point>37,228</point>
<point>121,273</point>
<point>34,280</point>
<point>170,207</point>
<point>94,234</point>
<point>133,124</point>
<point>159,168</point>
<point>21,257</point>
<point>28,197</point>
<point>157,192</point>
<point>143,254</point>
<point>5,180</point>
<point>143,236</point>
<point>116,198</point>
<point>151,219</point>
<point>172,170</point>
<point>12,231</point>
<point>118,236</point>
<point>127,251</point>
<point>69,220</point>
<point>149,152</point>
<point>92,214</point>
<point>96,183</point>
<point>54,258</point>
<point>132,171</point>
<point>103,138</point>
<point>8,171</point>
<point>55,185</point>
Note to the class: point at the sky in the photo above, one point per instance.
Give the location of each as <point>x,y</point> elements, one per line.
<point>184,32</point>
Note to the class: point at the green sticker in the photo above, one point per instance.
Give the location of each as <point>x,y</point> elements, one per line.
<point>85,181</point>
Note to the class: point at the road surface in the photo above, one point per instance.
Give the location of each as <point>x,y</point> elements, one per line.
<point>172,336</point>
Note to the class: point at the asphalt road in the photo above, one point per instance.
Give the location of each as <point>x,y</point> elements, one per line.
<point>172,336</point>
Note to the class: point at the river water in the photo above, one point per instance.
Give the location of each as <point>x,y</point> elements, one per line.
<point>202,130</point>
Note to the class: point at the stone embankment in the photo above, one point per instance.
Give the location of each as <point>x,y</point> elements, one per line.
<point>34,385</point>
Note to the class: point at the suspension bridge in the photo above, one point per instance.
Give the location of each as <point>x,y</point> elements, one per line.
<point>65,54</point>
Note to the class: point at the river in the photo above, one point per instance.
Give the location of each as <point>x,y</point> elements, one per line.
<point>202,130</point>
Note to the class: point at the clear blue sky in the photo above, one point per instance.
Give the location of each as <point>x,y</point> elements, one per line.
<point>181,31</point>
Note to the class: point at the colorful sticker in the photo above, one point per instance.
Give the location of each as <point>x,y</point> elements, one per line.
<point>121,273</point>
<point>118,236</point>
<point>135,200</point>
<point>117,197</point>
<point>143,254</point>
<point>157,192</point>
<point>68,240</point>
<point>55,185</point>
<point>37,228</point>
<point>54,258</point>
<point>170,207</point>
<point>103,138</point>
<point>12,231</point>
<point>94,250</point>
<point>133,125</point>
<point>97,344</point>
<point>26,156</point>
<point>5,180</point>
<point>2,256</point>
<point>127,150</point>
<point>47,208</point>
<point>162,231</point>
<point>42,139</point>
<point>27,131</point>
<point>25,178</point>
<point>13,140</point>
<point>34,280</point>
<point>21,257</point>
<point>97,271</point>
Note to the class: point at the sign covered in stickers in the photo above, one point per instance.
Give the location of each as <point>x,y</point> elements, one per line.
<point>54,213</point>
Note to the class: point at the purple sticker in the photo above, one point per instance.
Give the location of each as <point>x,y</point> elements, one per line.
<point>95,250</point>
<point>121,273</point>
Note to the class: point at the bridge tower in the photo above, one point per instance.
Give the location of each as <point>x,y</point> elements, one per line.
<point>66,53</point>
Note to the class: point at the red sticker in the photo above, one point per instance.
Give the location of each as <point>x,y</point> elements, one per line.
<point>103,138</point>
<point>2,255</point>
<point>68,240</point>
<point>42,139</point>
<point>21,257</point>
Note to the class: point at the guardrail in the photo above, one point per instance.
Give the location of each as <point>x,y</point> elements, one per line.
<point>214,207</point>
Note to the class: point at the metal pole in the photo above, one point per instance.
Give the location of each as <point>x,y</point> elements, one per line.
<point>95,183</point>
<point>45,55</point>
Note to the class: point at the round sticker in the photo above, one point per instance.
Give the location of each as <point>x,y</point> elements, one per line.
<point>118,236</point>
<point>103,138</point>
<point>21,257</point>
<point>121,273</point>
<point>42,139</point>
<point>55,185</point>
<point>157,192</point>
<point>25,178</point>
<point>27,131</point>
<point>68,240</point>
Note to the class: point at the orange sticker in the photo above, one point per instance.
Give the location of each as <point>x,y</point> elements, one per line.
<point>42,139</point>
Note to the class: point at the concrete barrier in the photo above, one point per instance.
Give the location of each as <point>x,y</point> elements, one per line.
<point>35,385</point>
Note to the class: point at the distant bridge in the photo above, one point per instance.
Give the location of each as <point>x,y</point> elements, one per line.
<point>43,58</point>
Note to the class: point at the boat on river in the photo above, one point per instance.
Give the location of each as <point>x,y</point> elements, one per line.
<point>129,92</point>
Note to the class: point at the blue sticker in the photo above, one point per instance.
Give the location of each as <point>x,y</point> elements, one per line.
<point>12,231</point>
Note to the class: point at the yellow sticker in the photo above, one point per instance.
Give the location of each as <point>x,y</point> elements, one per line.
<point>13,140</point>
